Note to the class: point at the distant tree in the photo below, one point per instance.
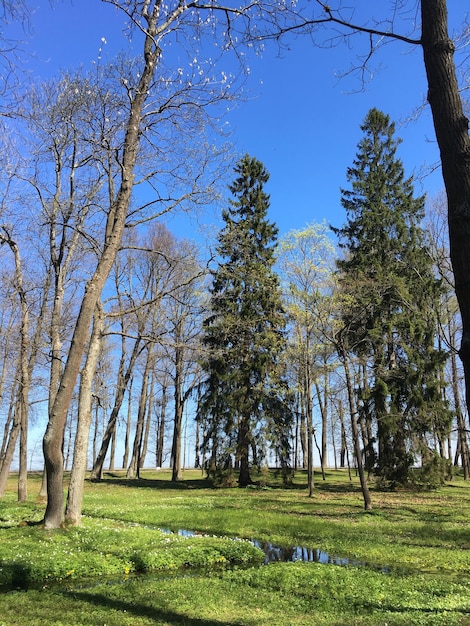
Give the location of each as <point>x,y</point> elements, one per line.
<point>450,326</point>
<point>184,309</point>
<point>391,313</point>
<point>244,334</point>
<point>306,259</point>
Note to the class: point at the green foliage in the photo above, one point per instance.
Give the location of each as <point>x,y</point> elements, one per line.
<point>390,316</point>
<point>108,548</point>
<point>433,473</point>
<point>244,334</point>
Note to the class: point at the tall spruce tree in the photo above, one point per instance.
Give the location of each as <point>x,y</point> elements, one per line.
<point>244,401</point>
<point>391,312</point>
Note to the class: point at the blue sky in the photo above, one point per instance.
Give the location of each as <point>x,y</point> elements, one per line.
<point>300,119</point>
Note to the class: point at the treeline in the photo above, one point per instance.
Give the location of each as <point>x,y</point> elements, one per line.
<point>278,351</point>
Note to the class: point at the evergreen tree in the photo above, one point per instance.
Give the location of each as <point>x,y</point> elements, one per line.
<point>244,400</point>
<point>390,315</point>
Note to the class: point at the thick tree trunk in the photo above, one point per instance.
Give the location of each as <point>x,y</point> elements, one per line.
<point>451,126</point>
<point>73,511</point>
<point>54,436</point>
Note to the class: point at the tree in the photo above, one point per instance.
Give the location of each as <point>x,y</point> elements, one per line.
<point>244,334</point>
<point>449,321</point>
<point>450,122</point>
<point>22,403</point>
<point>182,342</point>
<point>160,29</point>
<point>393,298</point>
<point>307,261</point>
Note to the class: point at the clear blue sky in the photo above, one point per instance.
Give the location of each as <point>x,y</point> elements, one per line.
<point>300,119</point>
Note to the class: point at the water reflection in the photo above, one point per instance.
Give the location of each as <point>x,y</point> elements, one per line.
<point>287,554</point>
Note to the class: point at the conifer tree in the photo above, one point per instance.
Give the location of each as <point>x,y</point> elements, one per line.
<point>244,400</point>
<point>390,315</point>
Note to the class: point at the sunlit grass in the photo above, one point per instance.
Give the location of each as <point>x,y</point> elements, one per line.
<point>422,538</point>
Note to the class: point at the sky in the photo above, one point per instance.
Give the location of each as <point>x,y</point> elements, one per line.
<point>300,118</point>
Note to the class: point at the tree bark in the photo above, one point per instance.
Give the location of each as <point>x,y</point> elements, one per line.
<point>148,420</point>
<point>125,456</point>
<point>451,126</point>
<point>161,429</point>
<point>179,404</point>
<point>22,401</point>
<point>73,511</point>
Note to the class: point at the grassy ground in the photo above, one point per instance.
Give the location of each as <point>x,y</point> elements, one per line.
<point>414,551</point>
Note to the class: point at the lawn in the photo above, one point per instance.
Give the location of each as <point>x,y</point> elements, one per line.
<point>412,553</point>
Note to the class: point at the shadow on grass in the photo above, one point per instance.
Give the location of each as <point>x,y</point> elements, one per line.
<point>16,577</point>
<point>203,483</point>
<point>154,483</point>
<point>140,610</point>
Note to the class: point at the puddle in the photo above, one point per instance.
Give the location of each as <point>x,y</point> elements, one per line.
<point>289,554</point>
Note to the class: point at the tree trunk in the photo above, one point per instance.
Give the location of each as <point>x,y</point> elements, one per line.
<point>121,386</point>
<point>112,453</point>
<point>134,466</point>
<point>243,446</point>
<point>125,457</point>
<point>451,126</point>
<point>309,420</point>
<point>161,429</point>
<point>179,404</point>
<point>461,429</point>
<point>22,401</point>
<point>322,403</point>
<point>116,218</point>
<point>176,473</point>
<point>73,511</point>
<point>355,431</point>
<point>10,448</point>
<point>148,421</point>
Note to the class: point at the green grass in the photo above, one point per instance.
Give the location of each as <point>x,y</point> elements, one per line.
<point>424,540</point>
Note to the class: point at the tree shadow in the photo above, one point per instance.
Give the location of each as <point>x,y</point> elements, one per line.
<point>140,610</point>
<point>155,483</point>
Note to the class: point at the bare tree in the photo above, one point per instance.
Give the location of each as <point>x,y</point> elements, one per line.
<point>22,403</point>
